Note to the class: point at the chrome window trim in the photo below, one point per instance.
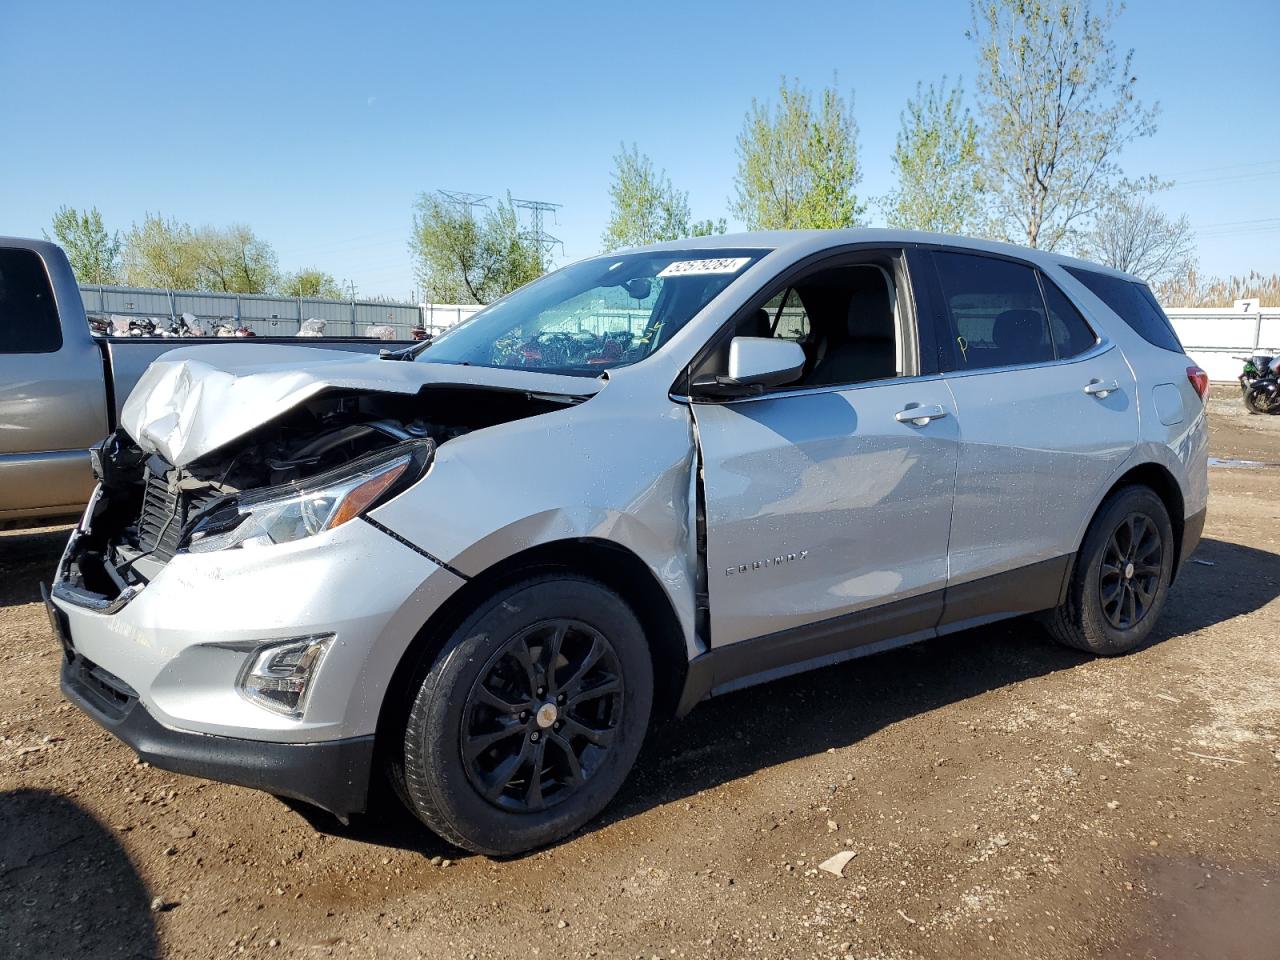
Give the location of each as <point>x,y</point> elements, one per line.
<point>1104,345</point>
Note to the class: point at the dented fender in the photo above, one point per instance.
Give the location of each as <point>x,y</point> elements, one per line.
<point>613,469</point>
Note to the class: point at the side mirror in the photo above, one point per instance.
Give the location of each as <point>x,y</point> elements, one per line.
<point>754,364</point>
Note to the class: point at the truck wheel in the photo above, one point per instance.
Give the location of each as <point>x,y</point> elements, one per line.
<point>1121,576</point>
<point>528,722</point>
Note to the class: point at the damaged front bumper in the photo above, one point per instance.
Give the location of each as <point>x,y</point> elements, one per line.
<point>160,664</point>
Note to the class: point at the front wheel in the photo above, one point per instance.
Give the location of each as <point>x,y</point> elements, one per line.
<point>528,722</point>
<point>1263,397</point>
<point>1121,577</point>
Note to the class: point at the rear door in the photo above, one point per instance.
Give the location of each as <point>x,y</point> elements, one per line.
<point>52,395</point>
<point>823,499</point>
<point>1047,414</point>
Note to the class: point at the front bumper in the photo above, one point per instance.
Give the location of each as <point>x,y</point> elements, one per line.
<point>333,775</point>
<point>182,639</point>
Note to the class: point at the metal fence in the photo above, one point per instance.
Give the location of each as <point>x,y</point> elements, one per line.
<point>272,316</point>
<point>1214,337</point>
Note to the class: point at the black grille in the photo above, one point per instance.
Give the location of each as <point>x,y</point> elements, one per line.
<point>164,514</point>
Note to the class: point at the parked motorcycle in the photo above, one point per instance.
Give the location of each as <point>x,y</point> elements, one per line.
<point>1260,383</point>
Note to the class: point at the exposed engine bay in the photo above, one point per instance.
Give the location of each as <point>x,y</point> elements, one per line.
<point>148,510</point>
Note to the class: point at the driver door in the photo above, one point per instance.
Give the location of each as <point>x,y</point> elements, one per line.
<point>827,509</point>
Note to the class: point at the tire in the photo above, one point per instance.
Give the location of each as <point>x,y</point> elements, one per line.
<point>1090,618</point>
<point>1261,400</point>
<point>477,724</point>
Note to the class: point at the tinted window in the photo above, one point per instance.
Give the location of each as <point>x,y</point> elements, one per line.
<point>28,316</point>
<point>1071,334</point>
<point>995,310</point>
<point>1134,304</point>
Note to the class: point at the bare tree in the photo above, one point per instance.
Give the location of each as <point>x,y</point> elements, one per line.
<point>1057,107</point>
<point>1132,234</point>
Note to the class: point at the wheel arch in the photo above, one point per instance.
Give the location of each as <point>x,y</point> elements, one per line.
<point>609,563</point>
<point>1159,479</point>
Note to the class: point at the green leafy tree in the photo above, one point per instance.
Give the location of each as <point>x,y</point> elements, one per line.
<point>798,164</point>
<point>708,227</point>
<point>939,169</point>
<point>94,253</point>
<point>313,283</point>
<point>233,260</point>
<point>1057,106</point>
<point>160,252</point>
<point>461,257</point>
<point>646,208</point>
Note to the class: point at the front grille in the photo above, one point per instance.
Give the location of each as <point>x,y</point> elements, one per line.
<point>165,512</point>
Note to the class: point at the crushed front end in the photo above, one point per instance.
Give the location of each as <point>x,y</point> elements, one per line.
<point>235,618</point>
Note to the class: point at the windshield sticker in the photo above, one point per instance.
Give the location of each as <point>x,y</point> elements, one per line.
<point>686,268</point>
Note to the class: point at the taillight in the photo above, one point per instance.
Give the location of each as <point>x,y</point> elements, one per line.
<point>1199,379</point>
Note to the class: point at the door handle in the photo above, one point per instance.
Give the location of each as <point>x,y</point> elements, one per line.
<point>919,416</point>
<point>1096,388</point>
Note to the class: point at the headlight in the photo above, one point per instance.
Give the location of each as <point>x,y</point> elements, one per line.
<point>278,676</point>
<point>303,509</point>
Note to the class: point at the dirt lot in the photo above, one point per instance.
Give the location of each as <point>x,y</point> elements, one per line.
<point>1003,796</point>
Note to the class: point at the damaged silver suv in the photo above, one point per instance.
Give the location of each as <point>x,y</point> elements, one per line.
<point>483,566</point>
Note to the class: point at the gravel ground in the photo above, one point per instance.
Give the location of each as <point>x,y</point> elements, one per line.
<point>1001,797</point>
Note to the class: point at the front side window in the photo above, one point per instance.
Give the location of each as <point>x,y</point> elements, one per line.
<point>596,315</point>
<point>996,312</point>
<point>28,315</point>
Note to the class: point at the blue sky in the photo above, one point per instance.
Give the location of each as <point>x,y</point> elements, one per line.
<point>318,123</point>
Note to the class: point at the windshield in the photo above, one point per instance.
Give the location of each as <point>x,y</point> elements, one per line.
<point>592,316</point>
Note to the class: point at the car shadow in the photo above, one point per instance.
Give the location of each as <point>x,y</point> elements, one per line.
<point>735,735</point>
<point>67,887</point>
<point>28,558</point>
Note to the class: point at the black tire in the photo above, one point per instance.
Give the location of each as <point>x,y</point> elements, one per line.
<point>1261,399</point>
<point>583,743</point>
<point>1117,556</point>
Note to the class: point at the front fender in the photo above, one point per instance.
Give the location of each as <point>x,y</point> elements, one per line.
<point>617,472</point>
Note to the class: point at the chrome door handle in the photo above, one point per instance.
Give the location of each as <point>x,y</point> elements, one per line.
<point>919,416</point>
<point>1096,388</point>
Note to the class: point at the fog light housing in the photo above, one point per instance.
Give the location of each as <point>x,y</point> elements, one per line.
<point>278,676</point>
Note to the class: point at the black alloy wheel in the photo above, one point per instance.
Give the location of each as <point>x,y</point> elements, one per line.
<point>541,717</point>
<point>1129,574</point>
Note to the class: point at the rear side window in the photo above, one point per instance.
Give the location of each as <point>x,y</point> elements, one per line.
<point>28,316</point>
<point>1071,333</point>
<point>1134,303</point>
<point>995,310</point>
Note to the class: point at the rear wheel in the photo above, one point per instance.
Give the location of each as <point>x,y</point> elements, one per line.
<point>1121,577</point>
<point>528,722</point>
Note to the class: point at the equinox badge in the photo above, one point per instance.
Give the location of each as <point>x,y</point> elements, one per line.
<point>766,563</point>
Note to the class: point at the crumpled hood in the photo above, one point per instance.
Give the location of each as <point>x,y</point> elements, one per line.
<point>196,399</point>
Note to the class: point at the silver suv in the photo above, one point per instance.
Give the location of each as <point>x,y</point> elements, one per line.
<point>485,565</point>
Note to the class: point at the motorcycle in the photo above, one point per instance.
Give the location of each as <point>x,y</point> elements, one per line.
<point>1260,383</point>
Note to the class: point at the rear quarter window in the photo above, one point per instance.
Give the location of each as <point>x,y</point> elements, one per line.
<point>1133,303</point>
<point>28,315</point>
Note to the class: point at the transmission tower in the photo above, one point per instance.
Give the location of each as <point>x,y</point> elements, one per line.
<point>465,202</point>
<point>537,233</point>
